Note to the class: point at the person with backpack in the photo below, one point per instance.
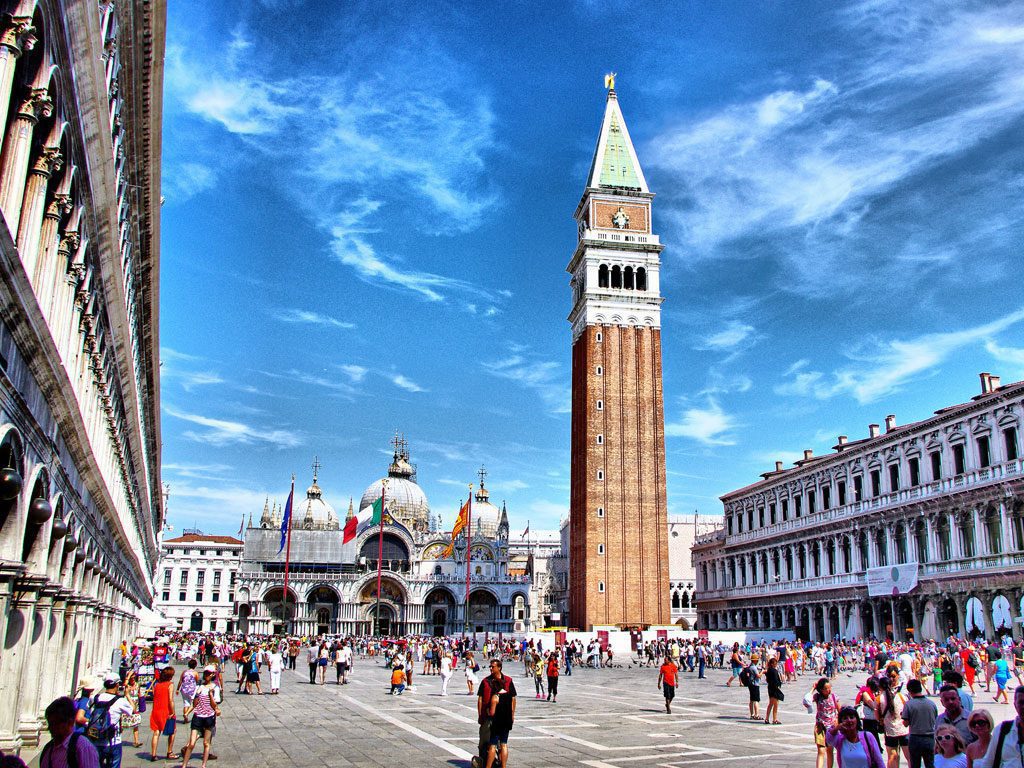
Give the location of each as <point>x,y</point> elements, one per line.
<point>1006,750</point>
<point>735,665</point>
<point>82,704</point>
<point>104,727</point>
<point>66,746</point>
<point>750,676</point>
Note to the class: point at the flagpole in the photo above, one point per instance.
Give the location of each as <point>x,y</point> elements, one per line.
<point>287,557</point>
<point>380,559</point>
<point>469,558</point>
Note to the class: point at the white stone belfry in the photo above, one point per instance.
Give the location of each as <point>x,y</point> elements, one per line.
<point>616,266</point>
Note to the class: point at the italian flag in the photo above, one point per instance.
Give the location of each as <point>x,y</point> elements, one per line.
<point>367,516</point>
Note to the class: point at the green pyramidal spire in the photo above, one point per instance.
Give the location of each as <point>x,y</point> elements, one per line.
<point>615,163</point>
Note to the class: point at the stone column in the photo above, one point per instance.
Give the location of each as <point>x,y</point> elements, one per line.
<point>890,544</point>
<point>30,707</point>
<point>986,603</point>
<point>49,272</point>
<point>856,624</point>
<point>33,208</point>
<point>16,152</point>
<point>1014,599</point>
<point>917,612</point>
<point>981,543</point>
<point>18,35</point>
<point>956,544</point>
<point>1007,525</point>
<point>930,538</point>
<point>17,642</point>
<point>961,614</point>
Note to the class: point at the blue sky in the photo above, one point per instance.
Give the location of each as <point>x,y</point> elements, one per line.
<point>368,215</point>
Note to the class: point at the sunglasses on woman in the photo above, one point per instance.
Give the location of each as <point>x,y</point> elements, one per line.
<point>946,737</point>
<point>979,724</point>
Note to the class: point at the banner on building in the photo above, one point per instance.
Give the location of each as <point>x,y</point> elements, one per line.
<point>892,580</point>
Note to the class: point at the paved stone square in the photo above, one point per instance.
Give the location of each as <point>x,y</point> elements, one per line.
<point>612,718</point>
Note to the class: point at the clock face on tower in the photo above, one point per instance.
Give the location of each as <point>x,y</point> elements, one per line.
<point>620,219</point>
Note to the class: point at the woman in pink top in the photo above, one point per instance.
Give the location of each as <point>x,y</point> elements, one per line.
<point>204,716</point>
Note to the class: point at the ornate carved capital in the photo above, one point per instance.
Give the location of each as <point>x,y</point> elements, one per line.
<point>59,206</point>
<point>18,34</point>
<point>37,104</point>
<point>50,161</point>
<point>68,243</point>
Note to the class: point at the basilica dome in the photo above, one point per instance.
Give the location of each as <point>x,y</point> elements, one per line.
<point>486,516</point>
<point>403,498</point>
<point>314,513</point>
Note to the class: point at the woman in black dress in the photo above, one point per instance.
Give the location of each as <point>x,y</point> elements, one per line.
<point>775,694</point>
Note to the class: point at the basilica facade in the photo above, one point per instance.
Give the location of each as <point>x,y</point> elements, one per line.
<point>332,584</point>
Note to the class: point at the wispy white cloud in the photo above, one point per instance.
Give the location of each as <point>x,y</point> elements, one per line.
<point>311,318</point>
<point>173,470</point>
<point>415,129</point>
<point>545,377</point>
<point>461,452</point>
<point>709,425</point>
<point>508,486</point>
<point>355,373</point>
<point>880,368</point>
<point>221,432</point>
<point>1013,356</point>
<point>733,334</point>
<point>404,382</point>
<point>218,505</point>
<point>183,181</point>
<point>823,175</point>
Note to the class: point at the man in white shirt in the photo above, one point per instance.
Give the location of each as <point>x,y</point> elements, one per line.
<point>109,745</point>
<point>906,660</point>
<point>1006,750</point>
<point>345,659</point>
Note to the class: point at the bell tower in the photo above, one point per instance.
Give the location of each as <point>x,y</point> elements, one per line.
<point>618,518</point>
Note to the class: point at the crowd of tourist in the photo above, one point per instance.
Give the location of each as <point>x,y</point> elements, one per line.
<point>890,718</point>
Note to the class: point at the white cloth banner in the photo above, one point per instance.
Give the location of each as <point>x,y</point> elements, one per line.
<point>892,580</point>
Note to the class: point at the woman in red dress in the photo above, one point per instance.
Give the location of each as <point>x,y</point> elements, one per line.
<point>162,718</point>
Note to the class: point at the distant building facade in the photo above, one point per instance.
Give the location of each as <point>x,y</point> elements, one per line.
<point>683,531</point>
<point>332,586</point>
<point>535,556</point>
<point>942,498</point>
<point>618,506</point>
<point>81,88</point>
<point>195,581</point>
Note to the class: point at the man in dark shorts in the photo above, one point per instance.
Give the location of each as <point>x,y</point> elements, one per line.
<point>667,675</point>
<point>496,711</point>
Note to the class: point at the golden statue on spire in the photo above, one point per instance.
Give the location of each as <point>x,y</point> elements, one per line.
<point>609,80</point>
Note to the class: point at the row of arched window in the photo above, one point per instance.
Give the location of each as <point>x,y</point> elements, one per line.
<point>618,277</point>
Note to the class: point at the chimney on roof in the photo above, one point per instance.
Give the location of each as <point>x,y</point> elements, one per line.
<point>986,382</point>
<point>873,430</point>
<point>807,454</point>
<point>993,382</point>
<point>842,439</point>
<point>778,466</point>
<point>890,422</point>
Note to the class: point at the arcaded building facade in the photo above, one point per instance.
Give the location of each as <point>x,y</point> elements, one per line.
<point>617,507</point>
<point>943,496</point>
<point>80,490</point>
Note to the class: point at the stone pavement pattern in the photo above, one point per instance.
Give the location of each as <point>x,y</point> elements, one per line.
<point>612,718</point>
